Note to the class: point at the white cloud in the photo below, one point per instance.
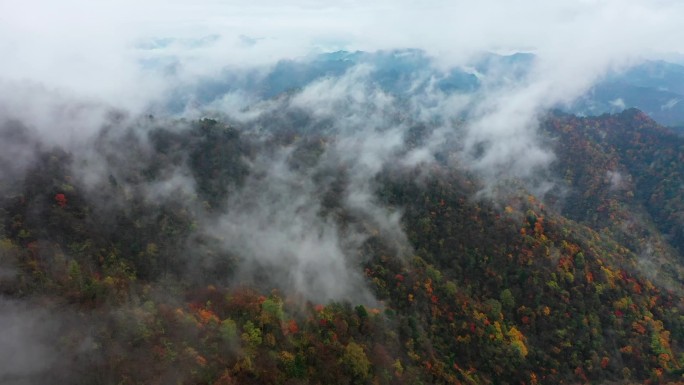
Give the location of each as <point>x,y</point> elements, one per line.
<point>96,53</point>
<point>65,63</point>
<point>670,103</point>
<point>90,48</point>
<point>618,103</point>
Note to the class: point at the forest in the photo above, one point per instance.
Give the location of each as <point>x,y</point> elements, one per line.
<point>207,252</point>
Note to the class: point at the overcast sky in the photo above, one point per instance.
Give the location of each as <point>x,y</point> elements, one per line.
<point>92,49</point>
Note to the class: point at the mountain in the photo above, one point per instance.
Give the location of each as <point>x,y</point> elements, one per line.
<point>655,87</point>
<point>637,184</point>
<point>399,72</point>
<point>152,257</point>
<point>638,88</point>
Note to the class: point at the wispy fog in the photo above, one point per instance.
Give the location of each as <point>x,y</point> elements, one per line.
<point>72,67</point>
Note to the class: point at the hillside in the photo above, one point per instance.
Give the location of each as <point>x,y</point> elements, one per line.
<point>629,182</point>
<point>204,253</point>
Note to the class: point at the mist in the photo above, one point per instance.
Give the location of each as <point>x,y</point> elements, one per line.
<point>76,70</point>
<point>40,344</point>
<point>230,144</point>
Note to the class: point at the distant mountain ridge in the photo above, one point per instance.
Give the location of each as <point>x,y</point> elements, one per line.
<point>654,87</point>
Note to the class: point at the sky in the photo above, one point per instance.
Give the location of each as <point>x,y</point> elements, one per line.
<point>93,50</point>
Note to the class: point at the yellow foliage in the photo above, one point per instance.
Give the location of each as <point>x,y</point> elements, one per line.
<point>610,276</point>
<point>356,361</point>
<point>521,347</point>
<point>463,339</point>
<point>499,334</point>
<point>7,245</point>
<point>286,357</point>
<point>623,303</point>
<point>517,340</point>
<point>270,339</point>
<point>398,368</point>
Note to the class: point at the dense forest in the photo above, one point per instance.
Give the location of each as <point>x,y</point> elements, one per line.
<point>151,259</point>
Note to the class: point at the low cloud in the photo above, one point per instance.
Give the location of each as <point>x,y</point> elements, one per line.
<point>71,69</point>
<point>275,224</point>
<point>36,346</point>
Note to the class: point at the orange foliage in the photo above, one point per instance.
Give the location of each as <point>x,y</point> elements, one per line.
<point>565,263</point>
<point>201,361</point>
<point>604,362</point>
<point>639,328</point>
<point>428,286</point>
<point>206,316</point>
<point>533,379</point>
<point>292,327</point>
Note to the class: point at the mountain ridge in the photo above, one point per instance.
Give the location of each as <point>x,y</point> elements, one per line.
<point>509,290</point>
<point>655,87</point>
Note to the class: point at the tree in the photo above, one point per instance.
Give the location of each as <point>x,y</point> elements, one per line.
<point>507,299</point>
<point>61,200</point>
<point>356,361</point>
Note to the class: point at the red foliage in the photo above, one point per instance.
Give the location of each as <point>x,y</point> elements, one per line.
<point>246,300</point>
<point>292,327</point>
<point>61,199</point>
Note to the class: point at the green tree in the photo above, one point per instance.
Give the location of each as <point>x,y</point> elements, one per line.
<point>507,299</point>
<point>356,361</point>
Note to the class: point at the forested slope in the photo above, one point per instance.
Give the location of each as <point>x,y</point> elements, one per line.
<point>124,263</point>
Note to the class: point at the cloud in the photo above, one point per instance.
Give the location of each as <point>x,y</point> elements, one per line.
<point>274,223</point>
<point>279,220</point>
<point>38,345</point>
<point>132,55</point>
<point>94,50</point>
<point>670,103</point>
<point>618,103</point>
<point>68,66</point>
